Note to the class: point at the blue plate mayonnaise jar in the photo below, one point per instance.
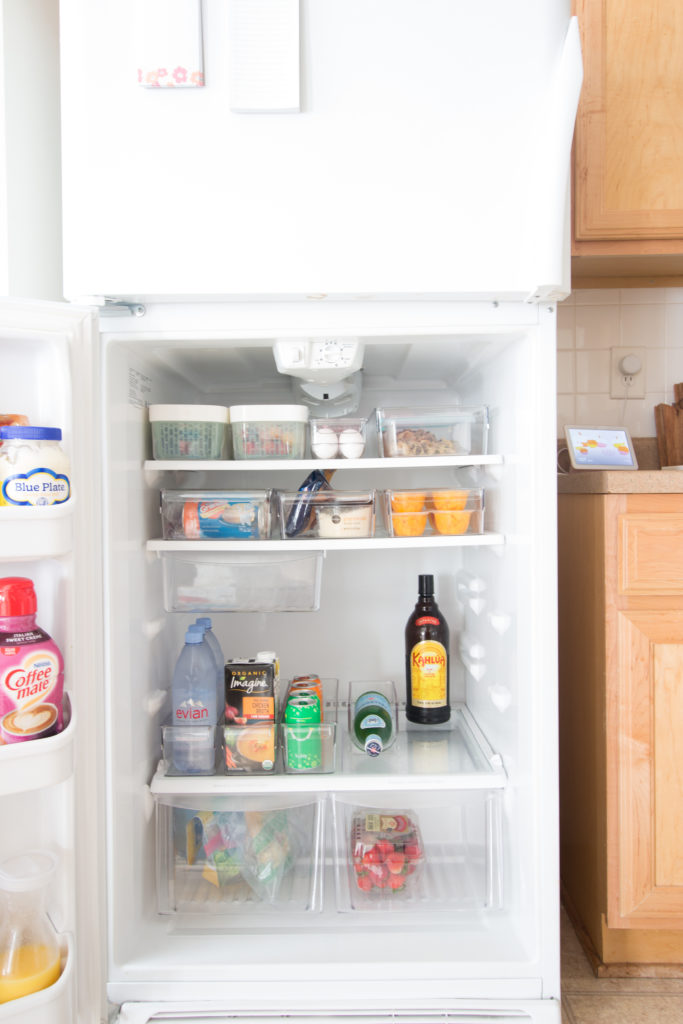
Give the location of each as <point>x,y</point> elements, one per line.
<point>34,469</point>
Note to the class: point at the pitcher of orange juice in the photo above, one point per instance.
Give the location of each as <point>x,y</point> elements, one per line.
<point>29,946</point>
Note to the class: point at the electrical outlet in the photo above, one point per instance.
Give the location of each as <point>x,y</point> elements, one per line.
<point>627,385</point>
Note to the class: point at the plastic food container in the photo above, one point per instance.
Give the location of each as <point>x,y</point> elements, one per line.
<point>432,511</point>
<point>309,741</point>
<point>189,431</point>
<point>338,438</point>
<point>239,856</point>
<point>421,433</point>
<point>215,515</point>
<point>269,431</point>
<point>387,853</point>
<point>331,515</point>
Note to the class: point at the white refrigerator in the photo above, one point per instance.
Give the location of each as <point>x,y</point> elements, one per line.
<point>388,175</point>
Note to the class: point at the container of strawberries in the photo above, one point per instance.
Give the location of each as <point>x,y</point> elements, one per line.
<point>387,852</point>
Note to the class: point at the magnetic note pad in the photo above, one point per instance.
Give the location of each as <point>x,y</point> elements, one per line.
<point>170,55</point>
<point>263,55</point>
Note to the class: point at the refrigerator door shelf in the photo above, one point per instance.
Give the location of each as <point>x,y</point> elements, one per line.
<point>36,532</point>
<point>36,764</point>
<point>54,1005</point>
<point>452,759</point>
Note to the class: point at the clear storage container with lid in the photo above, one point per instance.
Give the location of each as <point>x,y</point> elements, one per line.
<point>34,469</point>
<point>269,431</point>
<point>189,431</point>
<point>29,945</point>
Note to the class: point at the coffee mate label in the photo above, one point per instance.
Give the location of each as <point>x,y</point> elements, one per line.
<point>31,686</point>
<point>428,675</point>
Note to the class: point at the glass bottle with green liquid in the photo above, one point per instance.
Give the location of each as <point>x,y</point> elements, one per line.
<point>373,727</point>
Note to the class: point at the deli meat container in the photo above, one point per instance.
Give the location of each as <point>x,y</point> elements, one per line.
<point>421,433</point>
<point>215,515</point>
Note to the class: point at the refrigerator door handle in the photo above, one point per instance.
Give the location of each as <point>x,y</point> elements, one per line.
<point>547,198</point>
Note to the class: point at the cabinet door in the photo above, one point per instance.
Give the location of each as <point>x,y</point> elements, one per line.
<point>644,717</point>
<point>629,133</point>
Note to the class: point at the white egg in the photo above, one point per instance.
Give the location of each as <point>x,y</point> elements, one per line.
<point>351,444</point>
<point>325,444</point>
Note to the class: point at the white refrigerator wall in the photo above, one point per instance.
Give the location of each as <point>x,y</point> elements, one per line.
<point>430,155</point>
<point>485,353</point>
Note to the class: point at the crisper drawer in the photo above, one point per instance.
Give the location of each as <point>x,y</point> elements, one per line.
<point>417,851</point>
<point>228,855</point>
<point>212,581</point>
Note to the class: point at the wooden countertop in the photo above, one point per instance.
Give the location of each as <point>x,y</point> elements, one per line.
<point>621,481</point>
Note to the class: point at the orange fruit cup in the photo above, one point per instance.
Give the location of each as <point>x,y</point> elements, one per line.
<point>404,524</point>
<point>451,522</point>
<point>407,501</point>
<point>449,501</point>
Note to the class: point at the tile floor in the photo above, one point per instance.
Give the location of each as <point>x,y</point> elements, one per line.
<point>590,1000</point>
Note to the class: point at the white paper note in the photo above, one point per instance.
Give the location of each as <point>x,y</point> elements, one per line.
<point>263,54</point>
<point>170,41</point>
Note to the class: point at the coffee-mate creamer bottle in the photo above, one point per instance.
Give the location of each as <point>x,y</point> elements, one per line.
<point>31,667</point>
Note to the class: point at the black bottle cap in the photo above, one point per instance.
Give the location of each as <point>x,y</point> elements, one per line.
<point>426,586</point>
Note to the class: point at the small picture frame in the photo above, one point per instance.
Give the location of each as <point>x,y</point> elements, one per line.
<point>600,448</point>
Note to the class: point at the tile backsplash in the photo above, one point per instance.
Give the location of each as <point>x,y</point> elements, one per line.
<point>593,321</point>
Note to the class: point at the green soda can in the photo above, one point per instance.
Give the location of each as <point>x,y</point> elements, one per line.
<point>302,724</point>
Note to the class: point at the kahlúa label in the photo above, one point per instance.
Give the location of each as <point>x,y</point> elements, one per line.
<point>428,674</point>
<point>31,686</point>
<point>39,487</point>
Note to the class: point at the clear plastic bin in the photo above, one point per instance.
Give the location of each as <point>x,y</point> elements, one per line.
<point>311,748</point>
<point>189,749</point>
<point>329,515</point>
<point>418,433</point>
<point>269,431</point>
<point>216,515</point>
<point>338,438</point>
<point>189,431</point>
<point>450,845</point>
<point>432,511</point>
<point>242,582</point>
<point>231,855</point>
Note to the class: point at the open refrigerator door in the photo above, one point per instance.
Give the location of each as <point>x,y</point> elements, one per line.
<point>50,792</point>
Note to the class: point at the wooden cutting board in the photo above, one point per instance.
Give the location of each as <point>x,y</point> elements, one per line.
<point>669,426</point>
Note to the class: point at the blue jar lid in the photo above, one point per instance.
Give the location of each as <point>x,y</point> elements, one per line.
<point>30,433</point>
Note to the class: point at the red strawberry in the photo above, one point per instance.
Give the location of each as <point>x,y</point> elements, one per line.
<point>396,882</point>
<point>371,856</point>
<point>379,874</point>
<point>412,851</point>
<point>384,848</point>
<point>395,862</point>
<point>364,882</point>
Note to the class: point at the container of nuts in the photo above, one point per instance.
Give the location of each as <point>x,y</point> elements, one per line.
<point>425,433</point>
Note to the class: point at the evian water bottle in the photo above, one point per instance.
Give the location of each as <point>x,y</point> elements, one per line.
<point>31,667</point>
<point>193,706</point>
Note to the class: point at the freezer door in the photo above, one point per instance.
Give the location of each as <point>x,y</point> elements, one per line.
<point>397,147</point>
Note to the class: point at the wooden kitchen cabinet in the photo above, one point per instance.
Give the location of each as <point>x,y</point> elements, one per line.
<point>628,152</point>
<point>621,727</point>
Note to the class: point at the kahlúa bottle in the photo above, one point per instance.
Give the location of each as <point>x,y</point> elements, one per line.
<point>427,661</point>
<point>373,723</point>
<point>31,667</point>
